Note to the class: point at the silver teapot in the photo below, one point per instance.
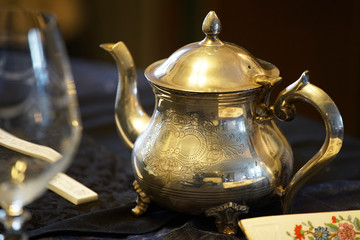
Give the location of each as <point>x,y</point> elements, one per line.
<point>212,145</point>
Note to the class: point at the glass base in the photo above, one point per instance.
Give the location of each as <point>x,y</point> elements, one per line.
<point>13,225</point>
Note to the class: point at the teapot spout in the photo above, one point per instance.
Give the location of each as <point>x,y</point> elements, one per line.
<point>131,119</point>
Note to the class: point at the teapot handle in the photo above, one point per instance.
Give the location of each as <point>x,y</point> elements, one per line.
<point>284,109</point>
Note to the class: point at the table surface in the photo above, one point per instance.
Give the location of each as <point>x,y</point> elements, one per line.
<point>103,164</point>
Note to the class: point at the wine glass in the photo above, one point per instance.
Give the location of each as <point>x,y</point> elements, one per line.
<point>40,126</point>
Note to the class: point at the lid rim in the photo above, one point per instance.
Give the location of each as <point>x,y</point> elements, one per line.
<point>250,90</point>
<point>155,80</point>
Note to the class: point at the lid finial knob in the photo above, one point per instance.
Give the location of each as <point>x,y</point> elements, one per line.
<point>211,25</point>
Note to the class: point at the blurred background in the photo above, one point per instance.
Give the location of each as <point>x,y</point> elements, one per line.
<point>322,36</point>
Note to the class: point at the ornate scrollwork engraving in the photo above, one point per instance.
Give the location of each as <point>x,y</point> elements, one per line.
<point>181,145</point>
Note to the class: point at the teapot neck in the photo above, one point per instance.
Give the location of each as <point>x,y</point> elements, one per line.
<point>248,96</point>
<point>208,105</point>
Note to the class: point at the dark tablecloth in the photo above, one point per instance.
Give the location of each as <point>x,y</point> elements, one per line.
<point>103,164</point>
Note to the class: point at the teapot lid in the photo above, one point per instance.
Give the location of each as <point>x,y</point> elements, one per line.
<point>210,65</point>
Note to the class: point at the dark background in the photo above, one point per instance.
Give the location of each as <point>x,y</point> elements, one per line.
<point>322,36</point>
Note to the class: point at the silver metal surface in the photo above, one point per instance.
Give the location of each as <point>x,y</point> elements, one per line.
<point>202,150</point>
<point>303,90</point>
<point>210,65</point>
<point>131,119</point>
<point>212,140</point>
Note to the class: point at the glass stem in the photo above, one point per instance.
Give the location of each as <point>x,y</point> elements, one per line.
<point>13,225</point>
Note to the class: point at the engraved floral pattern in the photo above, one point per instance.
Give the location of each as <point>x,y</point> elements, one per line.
<point>339,228</point>
<point>184,144</point>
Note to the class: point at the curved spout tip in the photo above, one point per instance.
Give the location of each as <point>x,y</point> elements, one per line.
<point>107,46</point>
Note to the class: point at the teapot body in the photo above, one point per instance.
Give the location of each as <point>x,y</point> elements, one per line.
<point>212,145</point>
<point>200,151</point>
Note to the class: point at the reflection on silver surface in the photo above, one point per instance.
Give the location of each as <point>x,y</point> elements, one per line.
<point>211,145</point>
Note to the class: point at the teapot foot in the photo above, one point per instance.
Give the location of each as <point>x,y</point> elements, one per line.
<point>227,216</point>
<point>142,200</point>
